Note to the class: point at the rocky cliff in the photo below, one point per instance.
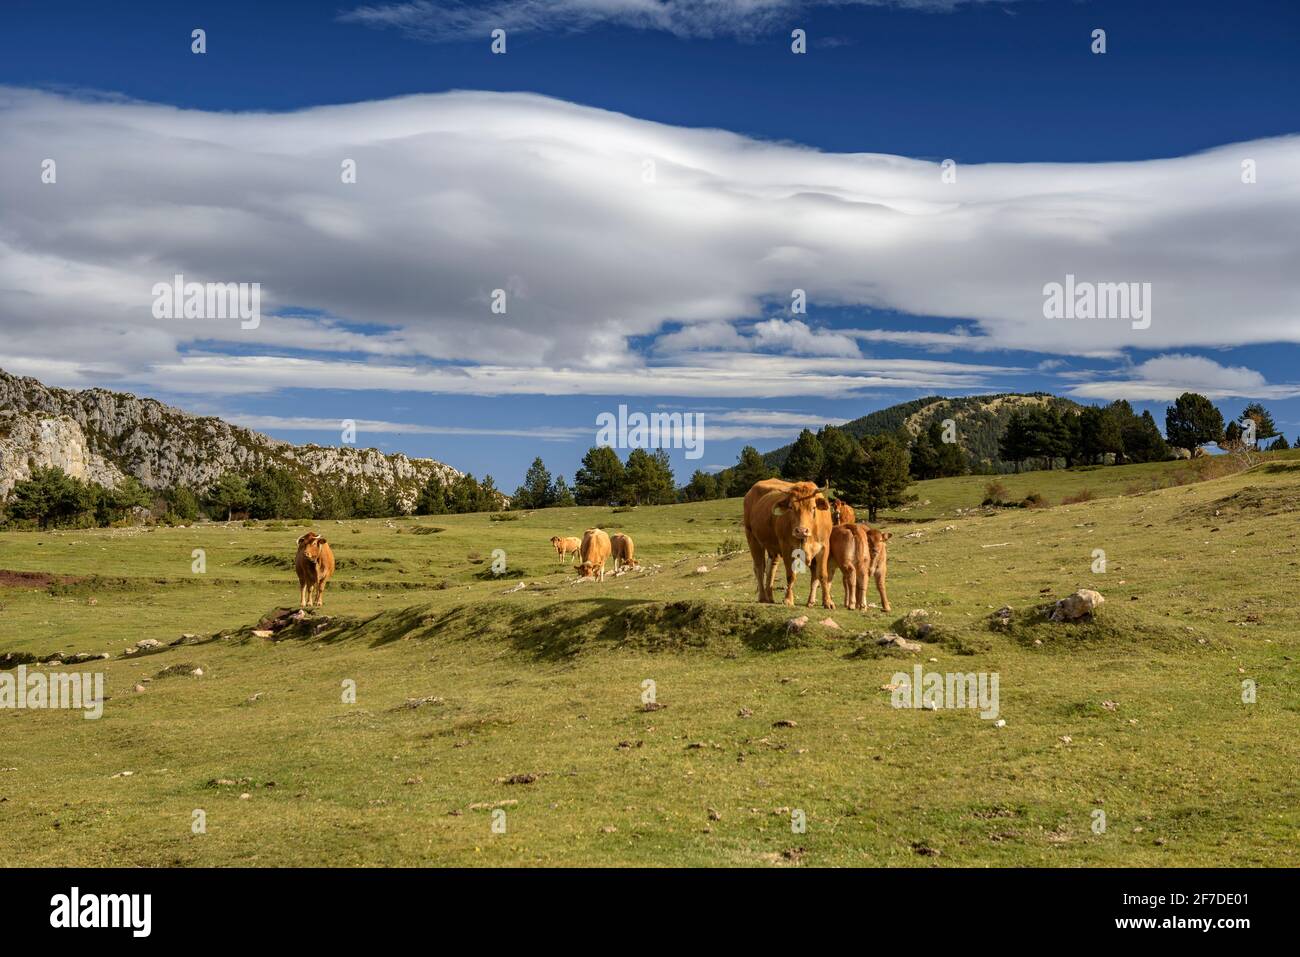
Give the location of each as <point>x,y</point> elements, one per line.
<point>98,435</point>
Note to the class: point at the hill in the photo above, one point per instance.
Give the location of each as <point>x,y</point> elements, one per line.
<point>100,436</point>
<point>980,420</point>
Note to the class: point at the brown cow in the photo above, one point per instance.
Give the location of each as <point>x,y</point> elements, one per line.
<point>623,551</point>
<point>878,567</point>
<point>314,564</point>
<point>842,512</point>
<point>565,546</point>
<point>790,521</point>
<point>845,548</point>
<point>595,552</point>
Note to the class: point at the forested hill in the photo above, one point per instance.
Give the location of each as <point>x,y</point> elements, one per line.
<point>980,420</point>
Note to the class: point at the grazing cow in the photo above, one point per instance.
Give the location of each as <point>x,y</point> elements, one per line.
<point>790,521</point>
<point>314,564</point>
<point>595,552</point>
<point>566,546</point>
<point>842,512</point>
<point>878,567</point>
<point>623,551</point>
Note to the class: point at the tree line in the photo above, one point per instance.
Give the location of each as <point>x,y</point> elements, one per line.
<point>50,498</point>
<point>1115,434</point>
<point>873,472</point>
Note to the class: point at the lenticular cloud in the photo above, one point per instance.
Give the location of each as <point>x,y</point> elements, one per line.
<point>605,231</point>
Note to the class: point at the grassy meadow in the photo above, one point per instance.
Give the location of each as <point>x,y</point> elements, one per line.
<point>474,695</point>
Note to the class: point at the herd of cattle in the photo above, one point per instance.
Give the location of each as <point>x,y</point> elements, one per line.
<point>790,521</point>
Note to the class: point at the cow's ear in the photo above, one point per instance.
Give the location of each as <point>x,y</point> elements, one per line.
<point>321,541</point>
<point>886,535</point>
<point>822,505</point>
<point>778,510</point>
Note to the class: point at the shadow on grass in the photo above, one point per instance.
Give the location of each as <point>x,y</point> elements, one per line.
<point>562,630</point>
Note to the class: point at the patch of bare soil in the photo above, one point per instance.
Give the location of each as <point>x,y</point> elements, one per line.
<point>13,579</point>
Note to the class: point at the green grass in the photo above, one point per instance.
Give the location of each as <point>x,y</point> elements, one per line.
<point>463,683</point>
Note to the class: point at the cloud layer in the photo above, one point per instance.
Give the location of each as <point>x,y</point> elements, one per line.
<point>446,20</point>
<point>637,258</point>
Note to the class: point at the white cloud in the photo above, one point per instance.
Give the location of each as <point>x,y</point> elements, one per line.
<point>288,423</point>
<point>722,375</point>
<point>1166,377</point>
<point>459,194</point>
<point>775,417</point>
<point>749,424</point>
<point>443,20</point>
<point>795,336</point>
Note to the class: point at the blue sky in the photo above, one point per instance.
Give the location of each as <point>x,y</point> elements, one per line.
<point>1117,167</point>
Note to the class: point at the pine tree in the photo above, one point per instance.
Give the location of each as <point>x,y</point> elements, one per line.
<point>1143,441</point>
<point>1265,428</point>
<point>924,457</point>
<point>1016,444</point>
<point>537,490</point>
<point>600,479</point>
<point>878,476</point>
<point>563,496</point>
<point>701,488</point>
<point>838,449</point>
<point>806,459</point>
<point>432,499</point>
<point>750,468</point>
<point>1192,421</point>
<point>230,495</point>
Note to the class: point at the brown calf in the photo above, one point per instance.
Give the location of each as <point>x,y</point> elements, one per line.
<point>565,546</point>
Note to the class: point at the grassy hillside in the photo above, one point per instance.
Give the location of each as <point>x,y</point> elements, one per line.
<point>474,695</point>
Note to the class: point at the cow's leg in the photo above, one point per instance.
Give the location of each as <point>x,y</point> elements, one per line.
<point>850,583</point>
<point>758,556</point>
<point>769,578</point>
<point>789,580</point>
<point>880,583</point>
<point>826,576</point>
<point>302,595</point>
<point>320,593</point>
